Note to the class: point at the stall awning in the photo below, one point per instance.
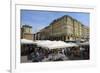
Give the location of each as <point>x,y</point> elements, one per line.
<point>54,44</point>
<point>25,41</point>
<point>85,43</point>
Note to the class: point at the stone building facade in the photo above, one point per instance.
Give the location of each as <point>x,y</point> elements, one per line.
<point>26,32</point>
<point>64,28</point>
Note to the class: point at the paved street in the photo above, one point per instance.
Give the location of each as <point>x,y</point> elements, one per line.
<point>24,59</point>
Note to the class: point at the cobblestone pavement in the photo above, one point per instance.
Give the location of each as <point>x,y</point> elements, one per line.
<point>24,59</point>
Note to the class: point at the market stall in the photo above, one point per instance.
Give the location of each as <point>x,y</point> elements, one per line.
<point>26,46</point>
<point>85,50</point>
<point>56,48</point>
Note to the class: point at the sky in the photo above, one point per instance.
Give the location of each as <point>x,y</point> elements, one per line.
<point>41,19</point>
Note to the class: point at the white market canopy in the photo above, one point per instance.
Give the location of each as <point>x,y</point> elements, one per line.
<point>49,44</point>
<point>85,43</point>
<point>54,44</point>
<point>25,41</point>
